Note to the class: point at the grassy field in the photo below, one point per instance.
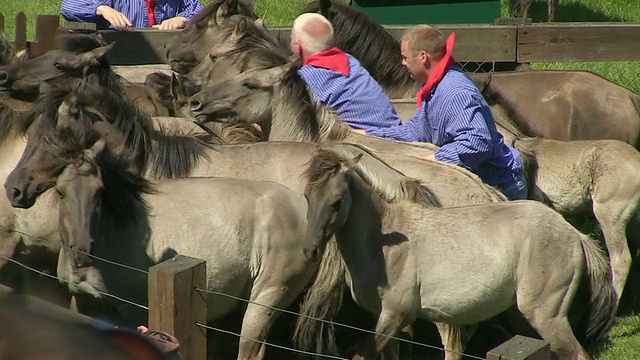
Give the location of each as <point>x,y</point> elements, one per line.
<point>624,340</point>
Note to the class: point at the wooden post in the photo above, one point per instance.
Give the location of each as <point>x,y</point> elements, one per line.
<point>46,29</point>
<point>2,23</point>
<point>20,42</point>
<point>175,306</point>
<point>521,348</point>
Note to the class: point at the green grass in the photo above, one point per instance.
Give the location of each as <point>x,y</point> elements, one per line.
<point>624,340</point>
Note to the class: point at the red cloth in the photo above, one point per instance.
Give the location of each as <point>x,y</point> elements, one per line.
<point>438,72</point>
<point>332,59</point>
<point>151,6</point>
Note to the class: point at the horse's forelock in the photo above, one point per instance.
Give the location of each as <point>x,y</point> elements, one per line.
<point>322,166</point>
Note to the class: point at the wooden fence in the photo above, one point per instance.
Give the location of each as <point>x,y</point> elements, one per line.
<point>177,305</point>
<point>500,42</point>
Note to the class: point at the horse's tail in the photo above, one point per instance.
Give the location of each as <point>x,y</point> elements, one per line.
<point>322,301</point>
<point>602,296</point>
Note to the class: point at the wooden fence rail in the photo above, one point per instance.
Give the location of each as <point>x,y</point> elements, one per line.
<point>508,43</point>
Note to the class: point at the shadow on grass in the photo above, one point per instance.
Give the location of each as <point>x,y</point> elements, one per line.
<point>572,12</point>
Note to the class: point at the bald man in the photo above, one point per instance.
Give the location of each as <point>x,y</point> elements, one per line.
<point>337,79</point>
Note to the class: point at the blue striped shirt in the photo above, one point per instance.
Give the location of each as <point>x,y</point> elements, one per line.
<point>357,99</point>
<point>458,119</point>
<point>134,10</point>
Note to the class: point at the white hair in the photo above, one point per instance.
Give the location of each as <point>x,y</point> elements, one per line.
<point>313,31</point>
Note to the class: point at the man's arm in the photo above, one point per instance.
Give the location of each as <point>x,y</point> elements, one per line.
<point>191,7</point>
<point>412,130</point>
<point>81,10</point>
<point>467,128</point>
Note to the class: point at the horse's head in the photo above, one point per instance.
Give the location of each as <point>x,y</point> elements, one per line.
<point>190,46</point>
<point>247,97</point>
<point>328,197</point>
<point>27,78</point>
<point>59,120</point>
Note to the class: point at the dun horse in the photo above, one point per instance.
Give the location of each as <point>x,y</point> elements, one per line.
<point>581,178</point>
<point>251,245</point>
<point>457,265</point>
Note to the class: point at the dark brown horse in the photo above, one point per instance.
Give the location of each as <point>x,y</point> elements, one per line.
<point>190,46</point>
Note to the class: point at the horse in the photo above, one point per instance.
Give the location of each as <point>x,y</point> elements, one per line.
<point>281,162</point>
<point>251,245</point>
<point>555,104</point>
<point>281,102</point>
<point>190,46</point>
<point>473,261</point>
<point>7,53</point>
<point>582,178</point>
<point>520,8</point>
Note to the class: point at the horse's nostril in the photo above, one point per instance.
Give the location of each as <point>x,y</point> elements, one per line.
<point>195,105</point>
<point>4,77</point>
<point>16,193</point>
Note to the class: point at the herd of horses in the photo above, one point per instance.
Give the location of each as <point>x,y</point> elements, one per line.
<point>230,160</point>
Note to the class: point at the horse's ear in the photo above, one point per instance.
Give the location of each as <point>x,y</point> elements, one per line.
<point>260,22</point>
<point>226,9</point>
<point>109,136</point>
<point>96,149</point>
<point>67,112</point>
<point>89,58</point>
<point>348,164</point>
<point>325,6</point>
<point>177,90</point>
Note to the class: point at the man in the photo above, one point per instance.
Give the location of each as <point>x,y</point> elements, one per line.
<point>121,14</point>
<point>453,115</point>
<point>337,79</point>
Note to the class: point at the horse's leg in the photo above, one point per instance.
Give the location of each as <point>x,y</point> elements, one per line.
<point>613,217</point>
<point>545,305</point>
<point>455,339</point>
<point>389,324</point>
<point>267,294</point>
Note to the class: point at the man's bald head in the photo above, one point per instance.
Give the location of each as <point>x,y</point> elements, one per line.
<point>312,32</point>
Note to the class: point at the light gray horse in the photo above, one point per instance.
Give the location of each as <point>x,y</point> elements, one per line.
<point>581,178</point>
<point>459,265</point>
<point>280,101</point>
<point>251,244</point>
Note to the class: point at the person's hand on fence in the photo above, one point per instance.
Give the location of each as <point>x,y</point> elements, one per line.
<point>177,22</point>
<point>117,19</point>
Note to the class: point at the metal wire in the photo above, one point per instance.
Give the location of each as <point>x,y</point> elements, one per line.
<point>270,344</point>
<point>338,324</point>
<point>74,250</point>
<point>68,282</point>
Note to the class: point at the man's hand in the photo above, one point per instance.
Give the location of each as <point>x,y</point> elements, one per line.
<point>173,23</point>
<point>114,17</point>
<point>431,157</point>
<point>359,131</point>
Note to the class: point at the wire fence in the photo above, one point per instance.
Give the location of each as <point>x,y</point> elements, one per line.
<point>215,293</point>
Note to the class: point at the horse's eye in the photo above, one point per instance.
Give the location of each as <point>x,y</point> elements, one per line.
<point>337,203</point>
<point>250,86</point>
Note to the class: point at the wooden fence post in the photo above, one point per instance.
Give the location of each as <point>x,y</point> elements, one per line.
<point>2,22</point>
<point>45,39</point>
<point>521,348</point>
<point>20,40</point>
<point>175,306</point>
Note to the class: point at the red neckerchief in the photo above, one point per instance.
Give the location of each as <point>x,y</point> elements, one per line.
<point>332,59</point>
<point>151,5</point>
<point>438,72</point>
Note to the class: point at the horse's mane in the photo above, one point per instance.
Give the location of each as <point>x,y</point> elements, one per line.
<point>8,119</point>
<point>326,163</point>
<point>232,7</point>
<point>376,49</point>
<point>82,43</point>
<point>259,48</point>
<point>173,154</point>
<point>123,188</point>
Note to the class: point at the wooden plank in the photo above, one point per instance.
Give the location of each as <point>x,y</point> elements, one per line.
<point>2,22</point>
<point>521,348</point>
<point>175,306</point>
<point>473,42</point>
<point>20,42</point>
<point>138,46</point>
<point>579,42</point>
<point>46,29</point>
